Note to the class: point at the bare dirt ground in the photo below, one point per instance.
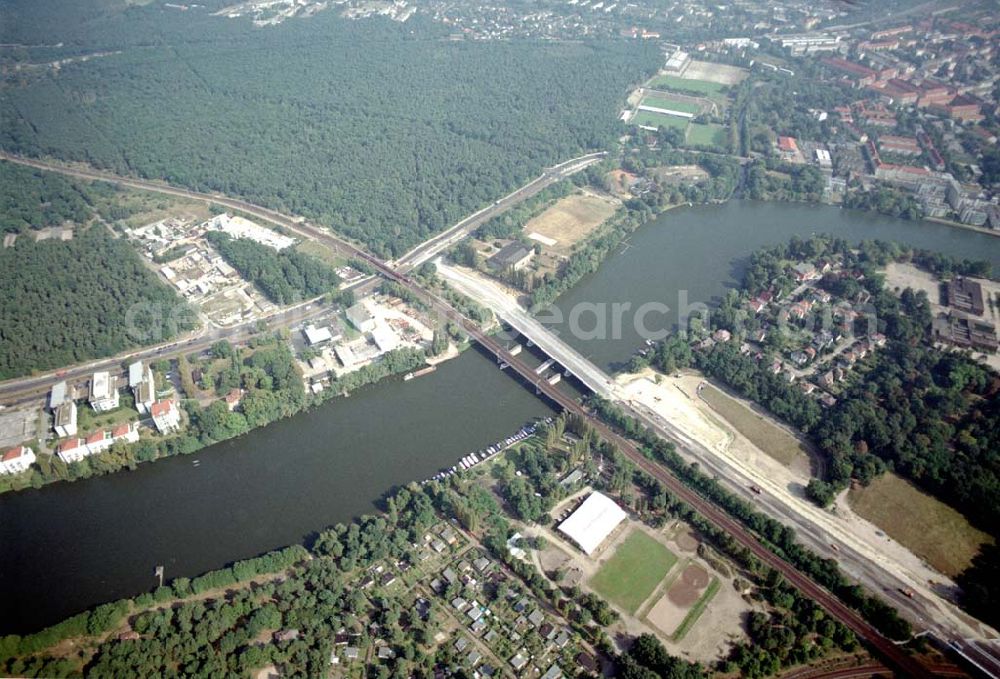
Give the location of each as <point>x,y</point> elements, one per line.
<point>619,181</point>
<point>570,221</point>
<point>774,440</point>
<point>716,73</point>
<point>679,174</point>
<point>675,400</point>
<point>900,275</point>
<point>717,628</point>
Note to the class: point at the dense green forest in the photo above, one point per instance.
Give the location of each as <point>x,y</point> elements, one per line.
<point>285,276</point>
<point>33,199</point>
<point>65,302</point>
<point>361,126</point>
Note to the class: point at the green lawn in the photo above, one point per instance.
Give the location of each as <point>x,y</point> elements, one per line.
<point>665,101</point>
<point>710,135</point>
<point>650,119</point>
<point>634,571</point>
<point>698,87</point>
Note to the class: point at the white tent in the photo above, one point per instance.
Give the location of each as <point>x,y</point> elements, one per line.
<point>593,522</point>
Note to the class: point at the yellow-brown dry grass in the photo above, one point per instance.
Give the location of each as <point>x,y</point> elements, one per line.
<point>928,527</point>
<point>570,220</point>
<point>766,435</point>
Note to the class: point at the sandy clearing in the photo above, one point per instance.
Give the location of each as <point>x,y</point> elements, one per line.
<point>570,220</point>
<point>716,73</point>
<point>783,492</point>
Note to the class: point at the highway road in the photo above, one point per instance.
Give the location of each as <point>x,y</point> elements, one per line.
<point>887,651</point>
<point>816,528</point>
<point>21,390</point>
<point>434,246</point>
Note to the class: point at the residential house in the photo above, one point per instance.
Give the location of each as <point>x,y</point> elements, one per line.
<point>166,416</point>
<point>233,399</point>
<point>72,450</point>
<point>103,392</point>
<point>143,386</point>
<point>805,271</point>
<point>98,442</point>
<point>16,460</point>
<point>65,419</point>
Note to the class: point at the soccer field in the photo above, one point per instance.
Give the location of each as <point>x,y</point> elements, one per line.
<point>707,135</point>
<point>651,119</point>
<point>668,102</point>
<point>634,571</point>
<point>673,82</point>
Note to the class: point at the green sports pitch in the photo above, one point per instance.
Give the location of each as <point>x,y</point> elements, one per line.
<point>634,571</point>
<point>652,119</point>
<point>697,87</point>
<point>707,136</point>
<point>672,103</point>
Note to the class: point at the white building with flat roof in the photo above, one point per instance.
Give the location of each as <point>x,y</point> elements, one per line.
<point>142,382</point>
<point>65,419</point>
<point>58,395</point>
<point>239,227</point>
<point>16,460</point>
<point>316,335</point>
<point>593,521</point>
<point>361,318</point>
<point>103,392</point>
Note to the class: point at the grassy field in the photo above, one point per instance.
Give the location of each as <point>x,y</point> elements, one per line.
<point>672,82</point>
<point>712,135</point>
<point>767,436</point>
<point>929,528</point>
<point>665,101</point>
<point>634,571</point>
<point>310,247</point>
<point>699,607</point>
<point>650,119</point>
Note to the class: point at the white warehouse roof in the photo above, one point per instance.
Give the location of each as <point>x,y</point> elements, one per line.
<point>593,521</point>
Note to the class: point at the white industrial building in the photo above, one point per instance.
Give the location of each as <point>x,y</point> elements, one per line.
<point>238,227</point>
<point>593,521</point>
<point>361,318</point>
<point>316,335</point>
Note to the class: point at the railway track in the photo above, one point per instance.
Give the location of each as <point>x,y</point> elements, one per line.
<point>894,656</point>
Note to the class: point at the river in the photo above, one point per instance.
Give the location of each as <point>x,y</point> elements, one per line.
<point>72,545</point>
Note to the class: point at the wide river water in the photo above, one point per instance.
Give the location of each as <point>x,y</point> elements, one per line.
<point>72,545</point>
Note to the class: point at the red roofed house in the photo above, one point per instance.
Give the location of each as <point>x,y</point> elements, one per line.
<point>16,460</point>
<point>166,417</point>
<point>233,399</point>
<point>99,441</point>
<point>72,450</point>
<point>788,149</point>
<point>127,432</point>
